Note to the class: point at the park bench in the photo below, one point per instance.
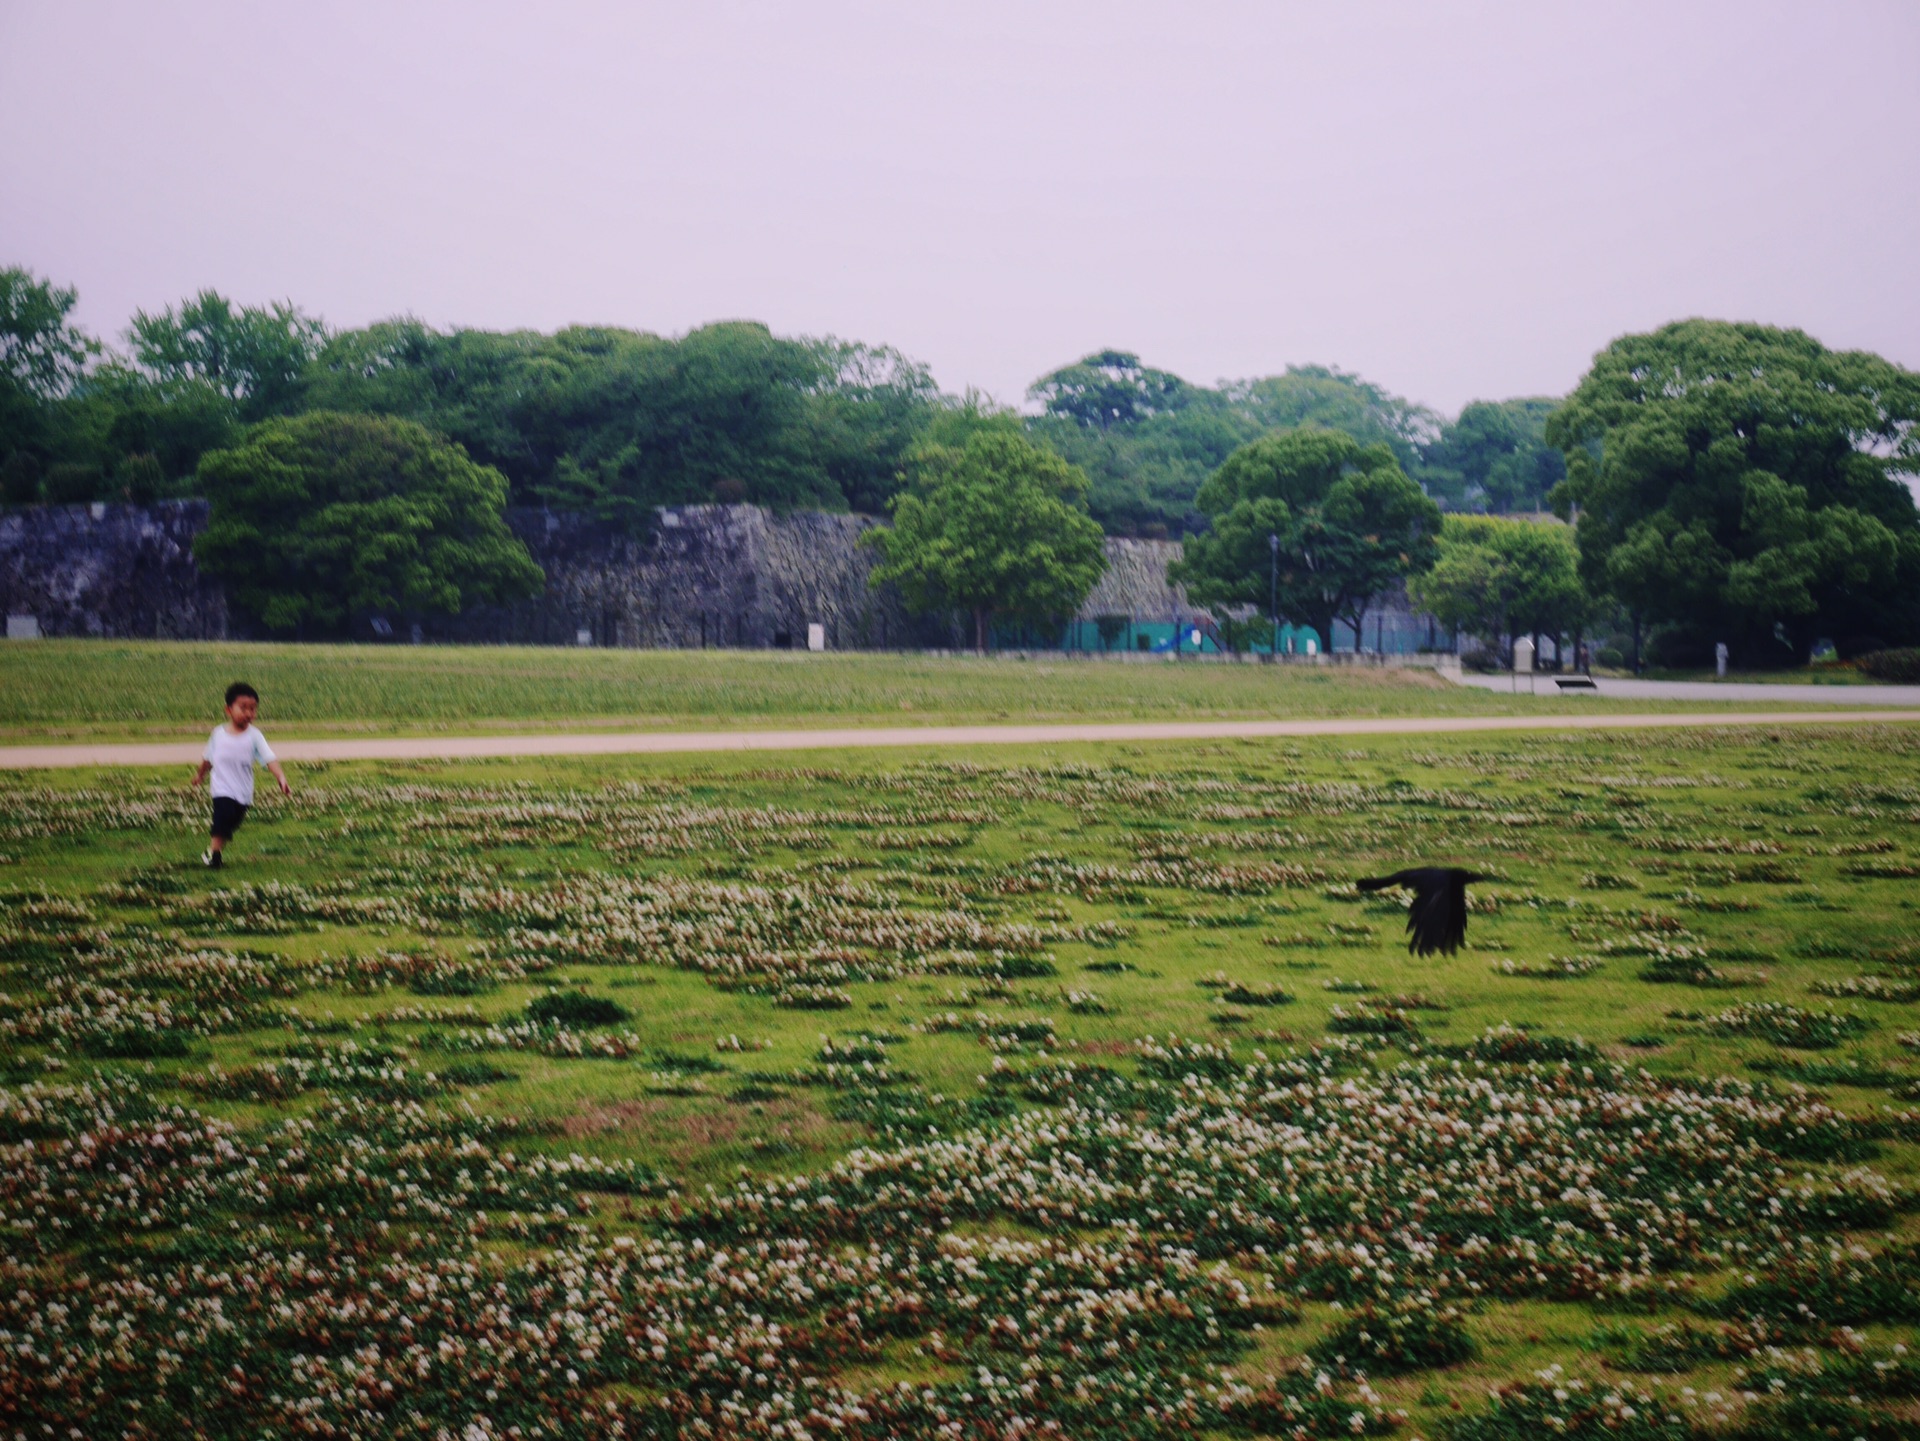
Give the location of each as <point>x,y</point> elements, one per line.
<point>1575,682</point>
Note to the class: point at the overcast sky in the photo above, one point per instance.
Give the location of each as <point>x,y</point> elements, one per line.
<point>1455,200</point>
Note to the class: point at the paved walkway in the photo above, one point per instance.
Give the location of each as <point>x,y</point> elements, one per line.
<point>1786,693</point>
<point>185,754</point>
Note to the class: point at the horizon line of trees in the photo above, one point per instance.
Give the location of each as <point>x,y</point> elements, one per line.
<point>615,421</point>
<point>1724,482</point>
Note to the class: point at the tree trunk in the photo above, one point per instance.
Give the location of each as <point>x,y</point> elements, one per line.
<point>981,615</point>
<point>1636,642</point>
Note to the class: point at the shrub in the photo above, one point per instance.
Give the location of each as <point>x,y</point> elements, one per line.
<point>1019,968</point>
<point>1669,1349</point>
<point>1897,667</point>
<point>571,1008</point>
<point>1372,1023</point>
<point>664,1060</point>
<point>1244,995</point>
<point>1822,1286</point>
<point>1570,1410</point>
<point>1412,1334</point>
<point>136,1044</point>
<point>474,1073</point>
<point>1512,1044</point>
<point>1687,971</point>
<point>1786,1025</point>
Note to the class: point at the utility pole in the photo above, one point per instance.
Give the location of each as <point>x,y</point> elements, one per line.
<point>1273,591</point>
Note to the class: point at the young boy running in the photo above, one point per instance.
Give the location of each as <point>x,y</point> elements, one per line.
<point>232,752</point>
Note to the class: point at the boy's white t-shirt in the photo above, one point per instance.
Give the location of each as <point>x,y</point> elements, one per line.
<point>233,758</point>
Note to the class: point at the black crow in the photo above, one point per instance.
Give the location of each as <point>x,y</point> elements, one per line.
<point>1437,919</point>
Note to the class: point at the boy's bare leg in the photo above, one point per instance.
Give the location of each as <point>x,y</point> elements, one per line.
<point>216,844</point>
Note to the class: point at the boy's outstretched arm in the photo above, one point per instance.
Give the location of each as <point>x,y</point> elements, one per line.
<point>279,775</point>
<point>199,775</point>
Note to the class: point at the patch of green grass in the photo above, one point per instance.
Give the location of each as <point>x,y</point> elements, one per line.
<point>969,1105</point>
<point>75,689</point>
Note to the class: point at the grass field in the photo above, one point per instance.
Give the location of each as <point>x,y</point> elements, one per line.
<point>132,689</point>
<point>1069,1092</point>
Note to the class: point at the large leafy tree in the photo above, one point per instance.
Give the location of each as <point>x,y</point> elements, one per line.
<point>1746,483</point>
<point>617,422</point>
<point>1350,525</point>
<point>1496,454</point>
<point>1501,578</point>
<point>1109,388</point>
<point>42,357</point>
<point>255,356</point>
<point>991,528</point>
<point>1149,439</point>
<point>1339,400</point>
<point>322,519</point>
<point>41,352</point>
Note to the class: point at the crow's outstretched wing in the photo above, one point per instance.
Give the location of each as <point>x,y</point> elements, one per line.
<point>1448,928</point>
<point>1437,919</point>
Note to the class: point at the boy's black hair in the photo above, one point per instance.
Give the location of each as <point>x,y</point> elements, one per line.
<point>240,688</point>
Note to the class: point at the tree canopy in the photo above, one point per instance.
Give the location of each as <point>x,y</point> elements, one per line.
<point>257,357</point>
<point>990,528</point>
<point>1745,483</point>
<point>1502,577</point>
<point>617,422</point>
<point>1148,439</point>
<point>1496,455</point>
<point>323,519</point>
<point>41,353</point>
<point>611,421</point>
<point>1109,388</point>
<point>42,356</point>
<point>1728,481</point>
<point>1349,522</point>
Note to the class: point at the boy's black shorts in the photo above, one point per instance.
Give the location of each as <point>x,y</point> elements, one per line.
<point>227,815</point>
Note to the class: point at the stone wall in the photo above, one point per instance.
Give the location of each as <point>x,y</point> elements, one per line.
<point>708,575</point>
<point>719,575</point>
<point>1136,584</point>
<point>108,570</point>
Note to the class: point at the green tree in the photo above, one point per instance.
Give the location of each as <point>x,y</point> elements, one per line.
<point>1503,578</point>
<point>1109,388</point>
<point>1339,400</point>
<point>325,518</point>
<point>1350,525</point>
<point>42,357</point>
<point>617,422</point>
<point>991,529</point>
<point>1745,483</point>
<point>1148,439</point>
<point>1496,454</point>
<point>867,409</point>
<point>256,356</point>
<point>41,353</point>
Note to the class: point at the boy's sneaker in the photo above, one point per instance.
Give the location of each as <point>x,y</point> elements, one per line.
<point>210,858</point>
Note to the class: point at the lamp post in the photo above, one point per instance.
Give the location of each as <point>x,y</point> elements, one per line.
<point>1273,590</point>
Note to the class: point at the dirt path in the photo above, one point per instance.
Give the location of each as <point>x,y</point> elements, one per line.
<point>186,753</point>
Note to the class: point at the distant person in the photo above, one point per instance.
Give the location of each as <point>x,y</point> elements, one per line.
<point>233,750</point>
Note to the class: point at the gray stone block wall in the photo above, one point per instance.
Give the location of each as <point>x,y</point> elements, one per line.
<point>709,575</point>
<point>717,575</point>
<point>712,575</point>
<point>109,570</point>
<point>1136,584</point>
